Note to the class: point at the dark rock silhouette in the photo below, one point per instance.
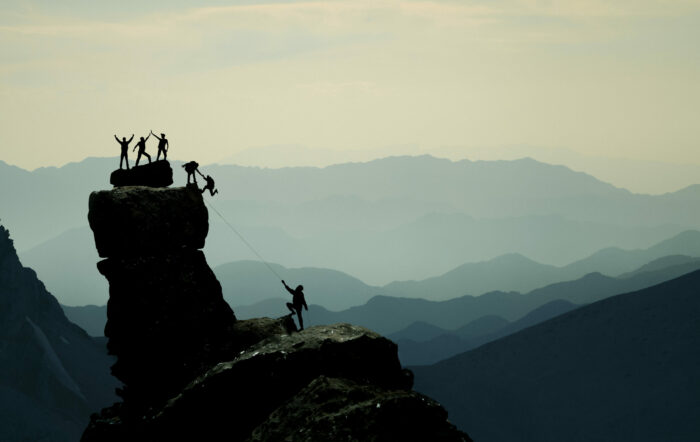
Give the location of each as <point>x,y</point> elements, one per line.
<point>190,368</point>
<point>156,174</point>
<point>52,374</point>
<point>375,413</point>
<point>136,221</point>
<point>166,317</point>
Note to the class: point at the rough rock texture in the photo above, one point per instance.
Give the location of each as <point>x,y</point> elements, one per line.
<point>166,318</point>
<point>155,174</point>
<point>334,409</point>
<point>142,221</point>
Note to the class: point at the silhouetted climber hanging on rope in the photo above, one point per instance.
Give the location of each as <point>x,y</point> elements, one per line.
<point>142,149</point>
<point>210,185</point>
<point>297,302</point>
<point>191,168</point>
<point>163,146</point>
<point>125,150</point>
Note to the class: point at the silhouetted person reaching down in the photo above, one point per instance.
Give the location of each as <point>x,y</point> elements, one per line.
<point>125,150</point>
<point>142,149</point>
<point>191,168</point>
<point>297,302</point>
<point>210,186</point>
<point>162,146</point>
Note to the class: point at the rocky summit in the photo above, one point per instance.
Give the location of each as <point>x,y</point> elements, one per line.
<point>191,371</point>
<point>154,174</point>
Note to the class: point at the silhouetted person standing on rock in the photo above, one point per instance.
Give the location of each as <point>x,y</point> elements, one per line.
<point>298,301</point>
<point>191,168</point>
<point>142,149</point>
<point>125,150</point>
<point>163,146</point>
<point>210,186</point>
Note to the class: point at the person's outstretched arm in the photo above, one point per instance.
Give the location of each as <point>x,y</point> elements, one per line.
<point>155,135</point>
<point>305,306</point>
<point>149,136</point>
<point>132,137</point>
<point>117,138</point>
<point>287,287</point>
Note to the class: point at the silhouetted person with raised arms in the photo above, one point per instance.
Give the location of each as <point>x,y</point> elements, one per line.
<point>298,301</point>
<point>142,149</point>
<point>191,168</point>
<point>125,150</point>
<point>162,146</point>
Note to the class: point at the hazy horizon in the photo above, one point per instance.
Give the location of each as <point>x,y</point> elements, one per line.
<point>579,84</point>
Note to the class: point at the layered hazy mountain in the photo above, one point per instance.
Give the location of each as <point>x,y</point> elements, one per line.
<point>52,374</point>
<point>623,368</point>
<point>422,215</point>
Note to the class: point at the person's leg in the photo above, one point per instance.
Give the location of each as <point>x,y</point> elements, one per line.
<point>148,156</point>
<point>291,307</point>
<point>158,156</point>
<point>301,321</point>
<point>138,158</point>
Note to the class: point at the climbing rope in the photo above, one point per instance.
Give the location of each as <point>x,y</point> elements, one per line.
<point>233,229</point>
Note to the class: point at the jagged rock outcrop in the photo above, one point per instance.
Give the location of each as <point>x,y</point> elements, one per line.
<point>331,409</point>
<point>142,221</point>
<point>166,318</point>
<point>193,372</point>
<point>154,174</point>
<point>52,374</point>
<point>326,381</point>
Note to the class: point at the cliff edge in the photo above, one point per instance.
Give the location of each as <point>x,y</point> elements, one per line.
<point>191,370</point>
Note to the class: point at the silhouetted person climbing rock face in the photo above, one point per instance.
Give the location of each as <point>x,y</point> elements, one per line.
<point>142,149</point>
<point>298,301</point>
<point>162,146</point>
<point>125,150</point>
<point>210,186</point>
<point>191,168</point>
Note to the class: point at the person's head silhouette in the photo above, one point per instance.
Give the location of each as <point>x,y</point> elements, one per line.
<point>123,138</point>
<point>162,135</point>
<point>300,288</point>
<point>141,138</point>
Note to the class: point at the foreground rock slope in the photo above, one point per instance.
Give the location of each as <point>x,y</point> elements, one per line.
<point>193,372</point>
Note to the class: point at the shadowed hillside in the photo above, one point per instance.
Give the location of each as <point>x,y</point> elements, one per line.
<point>623,368</point>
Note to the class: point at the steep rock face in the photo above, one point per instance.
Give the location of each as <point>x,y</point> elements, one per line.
<point>52,374</point>
<point>192,372</point>
<point>155,174</point>
<point>166,318</point>
<point>143,221</point>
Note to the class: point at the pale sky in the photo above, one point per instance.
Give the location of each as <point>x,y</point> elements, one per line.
<point>596,78</point>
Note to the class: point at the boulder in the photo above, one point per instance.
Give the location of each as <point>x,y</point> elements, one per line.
<point>266,375</point>
<point>341,409</point>
<point>155,174</point>
<point>144,221</point>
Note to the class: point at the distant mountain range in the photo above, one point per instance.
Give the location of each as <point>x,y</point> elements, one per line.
<point>52,374</point>
<point>392,314</point>
<point>624,368</point>
<point>356,217</point>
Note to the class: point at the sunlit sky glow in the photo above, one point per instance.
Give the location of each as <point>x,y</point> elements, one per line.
<point>597,78</point>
